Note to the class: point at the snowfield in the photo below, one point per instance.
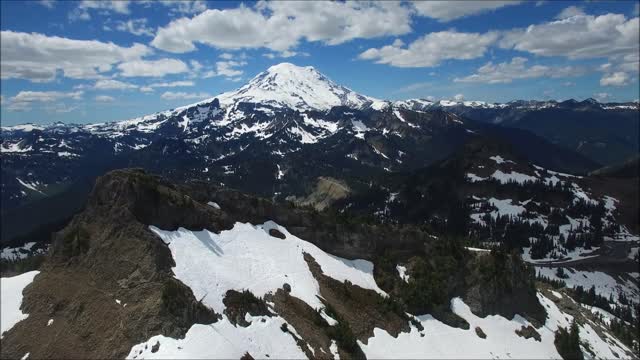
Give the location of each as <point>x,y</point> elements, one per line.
<point>20,252</point>
<point>605,285</point>
<point>512,176</point>
<point>300,88</point>
<point>247,257</point>
<point>223,340</point>
<point>11,298</point>
<point>444,342</point>
<point>441,341</point>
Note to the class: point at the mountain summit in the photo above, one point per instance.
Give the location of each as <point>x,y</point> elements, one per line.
<point>289,85</point>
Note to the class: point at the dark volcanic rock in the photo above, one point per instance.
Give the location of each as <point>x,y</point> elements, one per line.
<point>108,282</point>
<point>276,233</point>
<point>239,304</point>
<point>503,284</point>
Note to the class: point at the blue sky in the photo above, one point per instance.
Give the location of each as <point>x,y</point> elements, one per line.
<point>101,61</point>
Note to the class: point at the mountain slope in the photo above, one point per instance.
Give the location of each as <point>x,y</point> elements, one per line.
<point>604,132</point>
<point>275,136</point>
<point>149,269</point>
<point>489,189</point>
<point>288,85</point>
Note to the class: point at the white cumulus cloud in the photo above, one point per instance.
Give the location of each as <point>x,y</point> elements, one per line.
<point>578,37</point>
<point>187,7</point>
<point>110,84</point>
<point>506,72</point>
<point>280,26</point>
<point>451,10</point>
<point>152,68</point>
<point>170,95</point>
<point>602,97</point>
<point>37,57</point>
<point>47,3</point>
<point>105,98</point>
<point>24,100</point>
<point>136,27</point>
<point>82,11</point>
<point>615,79</point>
<point>433,48</point>
<point>570,11</point>
<point>182,83</point>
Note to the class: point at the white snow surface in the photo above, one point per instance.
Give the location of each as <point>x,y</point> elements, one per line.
<point>301,88</point>
<point>223,340</point>
<point>334,350</point>
<point>331,321</point>
<point>474,178</point>
<point>247,257</point>
<point>14,147</point>
<point>30,186</point>
<point>359,128</point>
<point>443,342</point>
<point>23,127</point>
<point>402,272</point>
<point>16,253</point>
<point>505,207</point>
<point>11,299</point>
<point>512,176</point>
<point>475,249</point>
<point>576,254</point>
<point>605,285</point>
<point>330,127</point>
<point>499,159</point>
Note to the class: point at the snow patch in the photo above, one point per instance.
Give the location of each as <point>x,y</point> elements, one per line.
<point>222,340</point>
<point>402,271</point>
<point>247,257</point>
<point>500,160</point>
<point>11,299</point>
<point>514,176</point>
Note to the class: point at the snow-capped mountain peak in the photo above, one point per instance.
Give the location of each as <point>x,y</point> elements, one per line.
<point>296,87</point>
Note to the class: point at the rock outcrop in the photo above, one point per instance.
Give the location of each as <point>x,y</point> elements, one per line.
<point>107,282</point>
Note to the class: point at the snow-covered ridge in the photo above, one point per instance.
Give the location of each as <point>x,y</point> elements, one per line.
<point>300,88</point>
<point>286,85</point>
<point>425,104</point>
<point>281,86</point>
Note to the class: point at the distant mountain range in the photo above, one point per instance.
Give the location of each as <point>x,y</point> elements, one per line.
<point>289,125</point>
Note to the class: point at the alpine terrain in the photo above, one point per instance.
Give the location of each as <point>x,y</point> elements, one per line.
<point>296,218</point>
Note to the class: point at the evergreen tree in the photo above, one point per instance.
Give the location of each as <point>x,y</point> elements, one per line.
<point>568,342</point>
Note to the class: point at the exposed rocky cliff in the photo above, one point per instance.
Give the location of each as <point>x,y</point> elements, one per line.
<point>107,282</point>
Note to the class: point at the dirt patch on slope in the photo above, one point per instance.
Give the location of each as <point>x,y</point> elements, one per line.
<point>327,191</point>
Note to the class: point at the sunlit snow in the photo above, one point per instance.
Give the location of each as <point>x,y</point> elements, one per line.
<point>11,299</point>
